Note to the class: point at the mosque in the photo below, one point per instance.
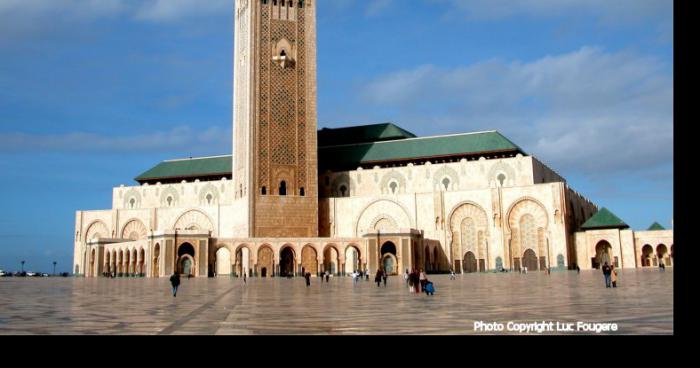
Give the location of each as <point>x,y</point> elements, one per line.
<point>292,199</point>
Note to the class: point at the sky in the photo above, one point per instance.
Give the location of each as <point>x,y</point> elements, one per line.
<point>95,92</point>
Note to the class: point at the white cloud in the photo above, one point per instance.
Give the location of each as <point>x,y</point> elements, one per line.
<point>168,10</point>
<point>609,11</point>
<point>588,110</point>
<point>212,140</point>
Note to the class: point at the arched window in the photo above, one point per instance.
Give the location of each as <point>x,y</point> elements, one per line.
<point>446,183</point>
<point>302,192</point>
<point>132,203</point>
<point>393,185</point>
<point>170,201</point>
<point>343,189</point>
<point>283,188</point>
<point>501,178</point>
<point>264,190</point>
<point>209,198</point>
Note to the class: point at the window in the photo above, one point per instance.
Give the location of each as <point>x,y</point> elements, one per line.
<point>132,203</point>
<point>393,186</point>
<point>501,178</point>
<point>264,190</point>
<point>283,188</point>
<point>209,198</point>
<point>302,192</point>
<point>446,183</point>
<point>170,201</point>
<point>343,189</point>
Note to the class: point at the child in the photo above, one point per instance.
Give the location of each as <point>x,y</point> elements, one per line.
<point>429,288</point>
<point>613,276</point>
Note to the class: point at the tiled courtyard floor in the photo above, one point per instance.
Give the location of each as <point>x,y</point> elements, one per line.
<point>643,304</point>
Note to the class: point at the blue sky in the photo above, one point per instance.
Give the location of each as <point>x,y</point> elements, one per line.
<point>94,92</point>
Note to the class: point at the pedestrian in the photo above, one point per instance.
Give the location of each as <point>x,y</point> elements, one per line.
<point>175,282</point>
<point>452,274</point>
<point>662,266</point>
<point>606,274</point>
<point>410,285</point>
<point>307,276</point>
<point>613,276</point>
<point>405,276</point>
<point>423,279</point>
<point>578,269</point>
<point>328,277</point>
<point>415,277</point>
<point>378,277</point>
<point>245,278</point>
<point>384,277</point>
<point>367,274</point>
<point>429,288</point>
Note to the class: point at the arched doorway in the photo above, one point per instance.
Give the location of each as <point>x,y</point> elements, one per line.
<point>469,265</point>
<point>330,260</point>
<point>107,264</point>
<point>287,262</point>
<point>662,254</point>
<point>265,261</point>
<point>530,260</point>
<point>243,261</point>
<point>120,263</point>
<point>389,259</point>
<point>91,271</point>
<point>142,262</point>
<point>647,255</point>
<point>223,262</point>
<point>156,258</point>
<point>603,252</point>
<point>186,259</point>
<point>352,260</point>
<point>309,260</point>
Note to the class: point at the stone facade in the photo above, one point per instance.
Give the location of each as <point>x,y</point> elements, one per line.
<point>278,216</point>
<point>624,248</point>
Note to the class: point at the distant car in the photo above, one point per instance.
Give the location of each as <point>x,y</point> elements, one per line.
<point>44,274</point>
<point>20,274</point>
<point>2,273</point>
<point>31,274</point>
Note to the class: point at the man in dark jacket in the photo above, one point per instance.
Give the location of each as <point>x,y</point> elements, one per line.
<point>175,282</point>
<point>307,276</point>
<point>606,272</point>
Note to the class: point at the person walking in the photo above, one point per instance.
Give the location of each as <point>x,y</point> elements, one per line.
<point>423,279</point>
<point>378,278</point>
<point>328,277</point>
<point>245,278</point>
<point>606,274</point>
<point>405,276</point>
<point>384,277</point>
<point>578,269</point>
<point>175,282</point>
<point>307,276</point>
<point>613,276</point>
<point>452,274</point>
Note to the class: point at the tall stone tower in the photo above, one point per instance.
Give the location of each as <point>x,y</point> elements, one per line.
<point>275,153</point>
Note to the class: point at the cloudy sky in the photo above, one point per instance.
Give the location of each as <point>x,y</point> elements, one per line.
<point>94,92</point>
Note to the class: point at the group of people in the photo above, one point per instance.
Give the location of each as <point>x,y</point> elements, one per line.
<point>418,282</point>
<point>380,276</point>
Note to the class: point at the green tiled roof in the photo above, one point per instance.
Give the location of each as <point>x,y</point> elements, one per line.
<point>188,168</point>
<point>353,155</point>
<point>404,147</point>
<point>656,226</point>
<point>604,219</point>
<point>362,134</point>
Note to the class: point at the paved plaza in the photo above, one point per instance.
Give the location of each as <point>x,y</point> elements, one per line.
<point>643,304</point>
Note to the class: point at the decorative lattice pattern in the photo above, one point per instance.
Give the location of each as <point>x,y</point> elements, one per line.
<point>528,233</point>
<point>282,128</point>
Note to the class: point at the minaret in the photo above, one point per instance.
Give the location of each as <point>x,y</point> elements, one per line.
<point>274,158</point>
